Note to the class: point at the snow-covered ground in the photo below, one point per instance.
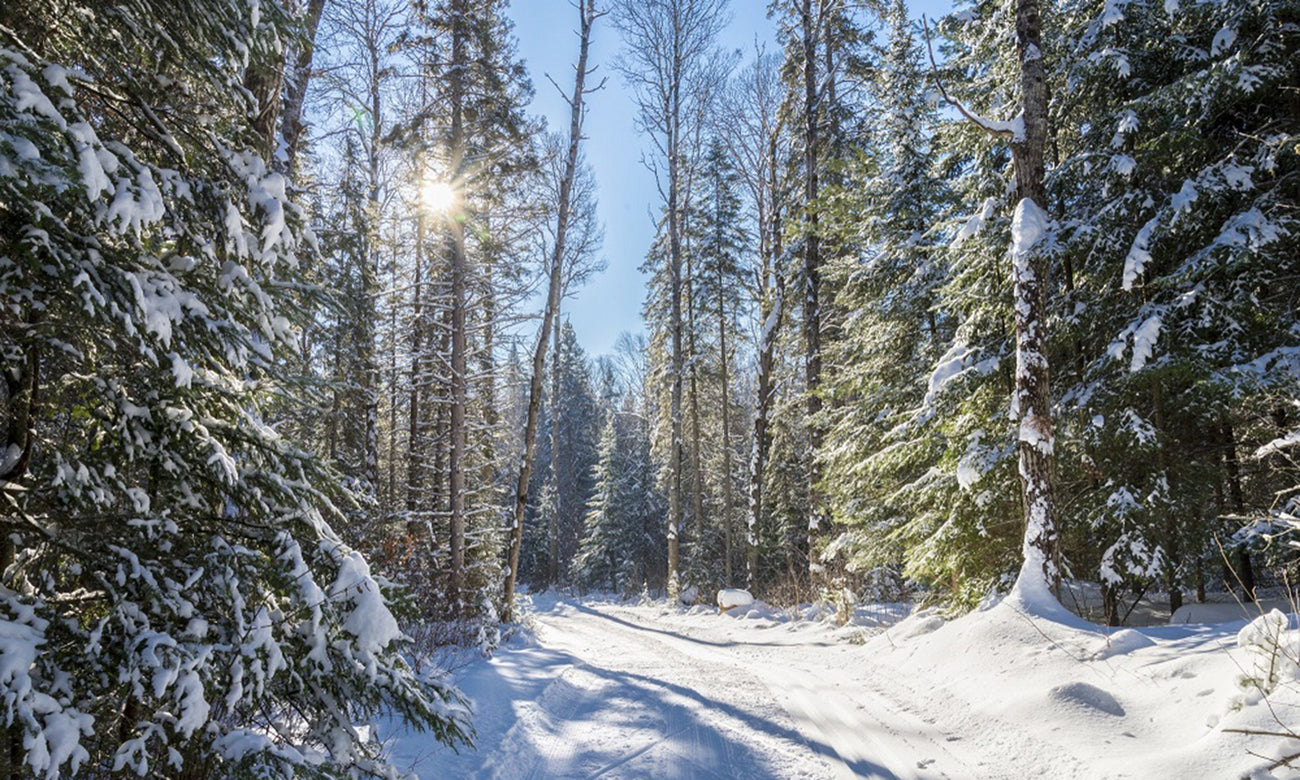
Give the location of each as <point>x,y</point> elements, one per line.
<point>647,691</point>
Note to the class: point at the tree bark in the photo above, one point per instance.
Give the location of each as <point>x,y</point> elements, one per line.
<point>772,317</point>
<point>1169,524</point>
<point>553,526</point>
<point>370,253</point>
<point>1032,389</point>
<point>727,530</point>
<point>697,471</point>
<point>414,445</point>
<point>809,29</point>
<point>672,148</point>
<point>295,97</point>
<point>459,346</point>
<point>1244,571</point>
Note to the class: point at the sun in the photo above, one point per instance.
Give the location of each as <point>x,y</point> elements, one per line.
<point>439,197</point>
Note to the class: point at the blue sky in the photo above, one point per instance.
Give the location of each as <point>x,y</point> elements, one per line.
<point>611,302</point>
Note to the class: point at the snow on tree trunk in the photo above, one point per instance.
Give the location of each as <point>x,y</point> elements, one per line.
<point>1032,400</point>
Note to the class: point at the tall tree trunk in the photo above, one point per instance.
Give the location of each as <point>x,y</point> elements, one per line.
<point>587,16</point>
<point>675,454</point>
<point>457,455</point>
<point>812,278</point>
<point>336,402</point>
<point>727,530</point>
<point>391,495</point>
<point>295,96</point>
<point>437,496</point>
<point>414,443</point>
<point>1033,398</point>
<point>1244,571</point>
<point>1169,523</point>
<point>553,529</point>
<point>697,471</point>
<point>369,266</point>
<point>772,316</point>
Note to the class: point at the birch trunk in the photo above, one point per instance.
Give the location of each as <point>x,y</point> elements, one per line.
<point>587,16</point>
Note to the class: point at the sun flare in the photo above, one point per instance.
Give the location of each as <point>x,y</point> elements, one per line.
<point>439,197</point>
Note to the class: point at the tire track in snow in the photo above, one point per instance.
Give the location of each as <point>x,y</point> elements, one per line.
<point>706,731</point>
<point>860,735</point>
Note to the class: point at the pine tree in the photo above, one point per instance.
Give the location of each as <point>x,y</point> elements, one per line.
<point>621,529</point>
<point>1179,182</point>
<point>473,138</point>
<point>721,245</point>
<point>892,330</point>
<point>168,560</point>
<point>622,541</point>
<point>576,423</point>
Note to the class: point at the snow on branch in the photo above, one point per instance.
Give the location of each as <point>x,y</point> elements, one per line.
<point>1013,129</point>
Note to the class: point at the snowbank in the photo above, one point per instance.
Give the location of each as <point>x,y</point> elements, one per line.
<point>1053,687</point>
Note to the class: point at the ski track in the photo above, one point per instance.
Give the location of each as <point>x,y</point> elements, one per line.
<point>614,692</point>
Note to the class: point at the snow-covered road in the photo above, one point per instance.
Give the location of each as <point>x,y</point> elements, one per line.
<point>623,691</point>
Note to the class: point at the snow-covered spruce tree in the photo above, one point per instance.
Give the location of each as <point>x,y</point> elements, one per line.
<point>473,137</point>
<point>893,331</point>
<point>572,420</point>
<point>1180,187</point>
<point>720,245</point>
<point>173,599</point>
<point>950,461</point>
<point>622,531</point>
<point>598,564</point>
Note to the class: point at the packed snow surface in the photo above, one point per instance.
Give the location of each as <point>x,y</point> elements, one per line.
<point>620,690</point>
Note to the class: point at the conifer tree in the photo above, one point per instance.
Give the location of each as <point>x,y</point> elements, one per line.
<point>720,245</point>
<point>622,533</point>
<point>892,331</point>
<point>1180,187</point>
<point>168,559</point>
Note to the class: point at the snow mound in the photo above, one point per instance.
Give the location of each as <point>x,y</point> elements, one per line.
<point>729,598</point>
<point>759,610</point>
<point>922,623</point>
<point>1122,642</point>
<point>1090,697</point>
<point>689,596</point>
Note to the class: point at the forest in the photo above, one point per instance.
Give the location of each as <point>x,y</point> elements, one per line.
<point>938,307</point>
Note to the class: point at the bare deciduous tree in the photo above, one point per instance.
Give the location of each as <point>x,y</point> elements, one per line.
<point>668,49</point>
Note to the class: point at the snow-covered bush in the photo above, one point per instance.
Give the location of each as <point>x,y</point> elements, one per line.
<point>1272,651</point>
<point>173,599</point>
